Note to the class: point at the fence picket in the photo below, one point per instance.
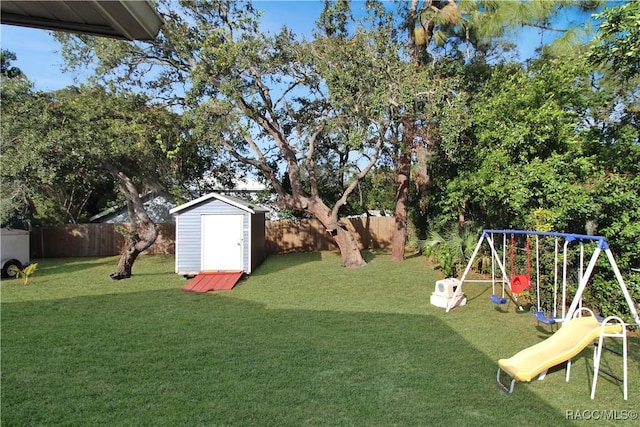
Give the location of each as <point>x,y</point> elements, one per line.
<point>282,236</point>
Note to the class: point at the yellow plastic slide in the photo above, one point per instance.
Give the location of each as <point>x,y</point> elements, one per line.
<point>563,345</point>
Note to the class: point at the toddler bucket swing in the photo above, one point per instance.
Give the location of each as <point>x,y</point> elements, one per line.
<point>519,282</point>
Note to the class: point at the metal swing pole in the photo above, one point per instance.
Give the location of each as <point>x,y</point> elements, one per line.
<point>564,278</point>
<point>555,280</point>
<point>538,272</point>
<point>511,258</point>
<point>504,261</point>
<point>493,271</point>
<point>529,257</point>
<point>623,287</point>
<point>494,297</point>
<point>587,274</point>
<point>493,264</point>
<point>494,253</point>
<point>467,269</point>
<point>583,285</point>
<point>581,271</point>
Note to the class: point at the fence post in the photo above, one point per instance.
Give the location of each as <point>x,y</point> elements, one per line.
<point>281,236</point>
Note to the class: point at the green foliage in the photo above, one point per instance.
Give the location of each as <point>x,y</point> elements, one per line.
<point>65,145</point>
<point>617,45</point>
<point>527,154</point>
<point>379,188</point>
<point>618,216</point>
<point>452,249</point>
<point>25,273</point>
<point>6,69</point>
<point>486,28</point>
<point>550,146</point>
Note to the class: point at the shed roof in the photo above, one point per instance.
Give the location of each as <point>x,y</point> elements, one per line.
<point>123,19</point>
<point>230,200</point>
<point>157,204</point>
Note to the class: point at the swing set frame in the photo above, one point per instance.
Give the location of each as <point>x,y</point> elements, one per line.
<point>518,282</point>
<point>601,246</point>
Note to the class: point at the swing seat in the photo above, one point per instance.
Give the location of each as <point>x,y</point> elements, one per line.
<point>520,283</point>
<point>546,320</point>
<point>497,300</point>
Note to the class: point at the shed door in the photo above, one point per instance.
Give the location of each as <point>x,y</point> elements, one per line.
<point>222,243</point>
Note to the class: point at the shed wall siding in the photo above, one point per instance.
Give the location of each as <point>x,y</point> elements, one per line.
<point>189,234</point>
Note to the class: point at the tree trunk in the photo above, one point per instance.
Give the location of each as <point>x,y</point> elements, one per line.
<point>351,256</point>
<point>143,230</point>
<point>142,237</point>
<point>403,161</point>
<point>461,210</point>
<point>403,177</point>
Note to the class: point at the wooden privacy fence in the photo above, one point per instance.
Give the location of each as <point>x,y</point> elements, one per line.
<point>283,236</point>
<point>309,235</point>
<point>78,240</point>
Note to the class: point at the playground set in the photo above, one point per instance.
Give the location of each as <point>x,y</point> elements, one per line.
<point>578,325</point>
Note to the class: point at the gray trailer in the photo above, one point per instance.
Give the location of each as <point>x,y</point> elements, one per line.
<point>14,250</point>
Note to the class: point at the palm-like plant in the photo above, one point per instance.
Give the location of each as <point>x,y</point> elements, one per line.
<point>451,249</point>
<point>25,273</point>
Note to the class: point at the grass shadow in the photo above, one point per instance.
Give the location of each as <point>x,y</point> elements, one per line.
<point>50,266</point>
<point>482,294</point>
<point>545,331</point>
<point>414,255</point>
<point>499,308</point>
<point>308,343</point>
<point>169,358</point>
<point>279,262</point>
<point>633,343</point>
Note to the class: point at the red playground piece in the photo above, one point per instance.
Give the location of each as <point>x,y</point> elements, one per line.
<point>213,281</point>
<point>520,283</point>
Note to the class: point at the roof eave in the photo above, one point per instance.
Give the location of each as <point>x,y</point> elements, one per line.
<point>123,19</point>
<point>247,208</point>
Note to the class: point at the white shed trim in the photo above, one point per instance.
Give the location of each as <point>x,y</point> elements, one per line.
<point>240,204</point>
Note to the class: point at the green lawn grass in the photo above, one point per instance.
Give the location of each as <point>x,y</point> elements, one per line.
<point>301,341</point>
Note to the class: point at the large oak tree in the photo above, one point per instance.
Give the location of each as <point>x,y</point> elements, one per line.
<point>274,102</point>
<point>64,144</point>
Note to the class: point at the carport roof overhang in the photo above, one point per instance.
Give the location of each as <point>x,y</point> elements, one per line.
<point>131,20</point>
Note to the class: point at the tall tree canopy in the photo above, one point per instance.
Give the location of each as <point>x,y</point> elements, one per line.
<point>617,44</point>
<point>68,144</point>
<point>440,33</point>
<point>271,101</point>
<point>426,86</point>
<point>6,69</point>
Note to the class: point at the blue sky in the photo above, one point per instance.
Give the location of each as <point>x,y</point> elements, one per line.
<point>38,57</point>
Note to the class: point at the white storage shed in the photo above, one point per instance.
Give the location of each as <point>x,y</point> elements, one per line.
<point>219,233</point>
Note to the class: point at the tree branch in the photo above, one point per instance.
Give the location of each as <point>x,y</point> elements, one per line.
<point>354,183</point>
<point>261,163</point>
<point>311,150</point>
